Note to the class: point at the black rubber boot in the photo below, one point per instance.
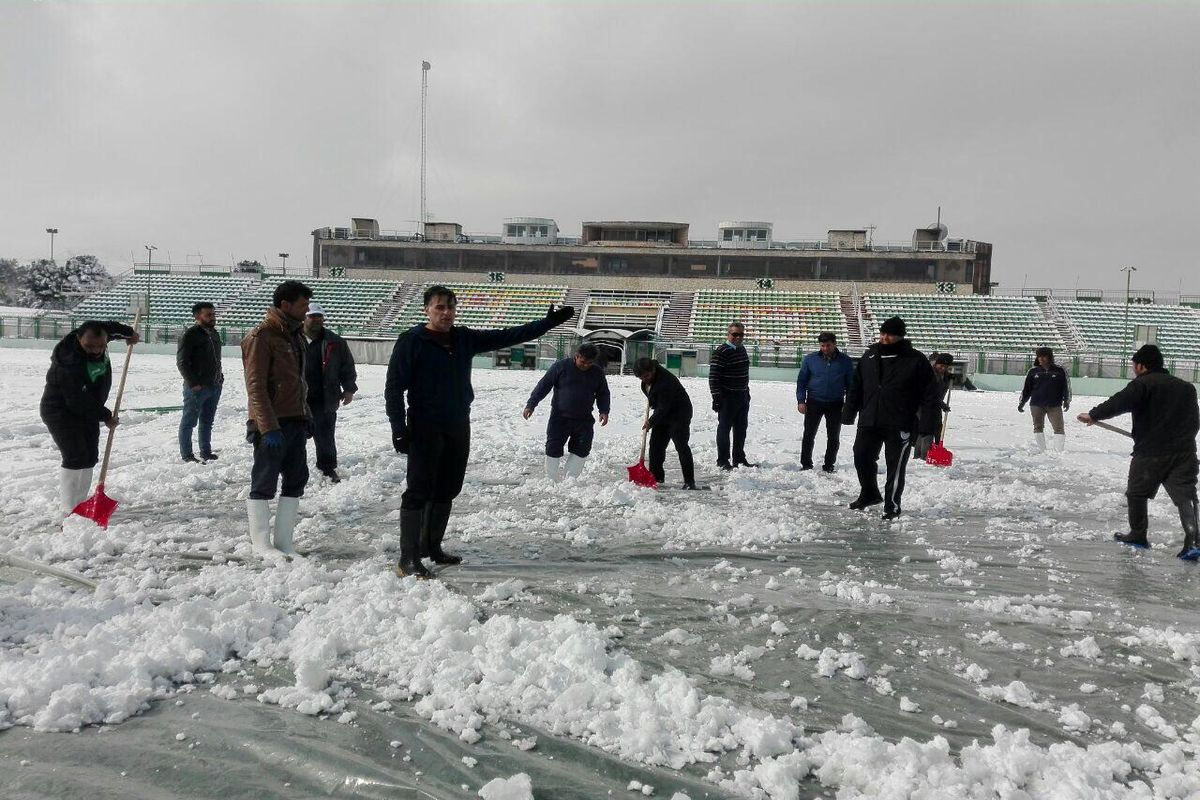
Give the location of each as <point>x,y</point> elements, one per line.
<point>437,520</point>
<point>863,502</point>
<point>1139,522</point>
<point>1188,518</point>
<point>410,544</point>
<point>891,514</point>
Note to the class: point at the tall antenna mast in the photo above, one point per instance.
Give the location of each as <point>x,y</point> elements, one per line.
<point>424,93</point>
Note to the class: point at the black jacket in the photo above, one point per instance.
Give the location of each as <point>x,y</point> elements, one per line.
<point>70,396</point>
<point>892,384</point>
<point>198,357</point>
<point>668,398</point>
<point>330,371</point>
<point>575,390</point>
<point>1047,388</point>
<point>1165,415</point>
<point>438,381</point>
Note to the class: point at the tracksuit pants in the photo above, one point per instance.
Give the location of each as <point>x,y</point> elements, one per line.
<point>896,446</point>
<point>678,433</point>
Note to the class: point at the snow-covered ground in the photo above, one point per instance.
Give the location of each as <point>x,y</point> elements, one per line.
<point>758,640</point>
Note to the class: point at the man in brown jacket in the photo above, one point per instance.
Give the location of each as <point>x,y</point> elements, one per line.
<point>273,360</point>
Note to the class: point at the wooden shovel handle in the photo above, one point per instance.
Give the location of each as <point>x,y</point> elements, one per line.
<point>645,433</point>
<point>117,404</point>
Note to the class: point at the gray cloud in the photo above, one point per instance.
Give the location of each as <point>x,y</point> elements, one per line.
<point>1066,134</point>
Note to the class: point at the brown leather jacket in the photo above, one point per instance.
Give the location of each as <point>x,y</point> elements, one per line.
<point>273,361</point>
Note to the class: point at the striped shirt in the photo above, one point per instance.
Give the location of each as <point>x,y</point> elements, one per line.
<point>729,369</point>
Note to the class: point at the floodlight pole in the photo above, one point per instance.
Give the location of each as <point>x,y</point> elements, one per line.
<point>425,67</point>
<point>1128,334</point>
<point>284,256</point>
<point>51,231</point>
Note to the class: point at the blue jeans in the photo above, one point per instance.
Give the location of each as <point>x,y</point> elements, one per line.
<point>198,406</point>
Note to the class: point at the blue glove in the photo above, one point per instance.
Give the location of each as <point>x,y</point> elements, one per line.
<point>273,439</point>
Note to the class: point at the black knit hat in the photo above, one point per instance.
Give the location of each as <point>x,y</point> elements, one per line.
<point>894,326</point>
<point>1149,356</point>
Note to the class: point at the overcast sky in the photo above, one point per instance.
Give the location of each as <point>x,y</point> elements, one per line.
<point>1068,135</point>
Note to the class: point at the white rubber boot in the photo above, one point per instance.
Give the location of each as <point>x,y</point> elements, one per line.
<point>552,472</point>
<point>1058,442</point>
<point>286,514</point>
<point>574,465</point>
<point>1040,440</point>
<point>73,485</point>
<point>259,513</point>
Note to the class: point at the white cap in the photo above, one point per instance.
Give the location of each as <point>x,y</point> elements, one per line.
<point>315,310</point>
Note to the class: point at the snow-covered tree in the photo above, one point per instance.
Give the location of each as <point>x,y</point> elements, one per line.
<point>249,266</point>
<point>10,274</point>
<point>48,284</point>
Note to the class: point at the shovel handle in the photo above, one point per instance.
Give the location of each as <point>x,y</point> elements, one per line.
<point>117,403</point>
<point>1112,428</point>
<point>645,433</point>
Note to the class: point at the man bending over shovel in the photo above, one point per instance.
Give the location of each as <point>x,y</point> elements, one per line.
<point>77,387</point>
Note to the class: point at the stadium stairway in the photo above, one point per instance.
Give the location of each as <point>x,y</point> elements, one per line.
<point>678,316</point>
<point>577,299</point>
<point>855,340</point>
<point>383,321</point>
<point>1066,329</point>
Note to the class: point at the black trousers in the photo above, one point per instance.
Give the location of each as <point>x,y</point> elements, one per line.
<point>288,461</point>
<point>832,414</point>
<point>324,423</point>
<point>437,462</point>
<point>678,434</point>
<point>577,434</point>
<point>734,415</point>
<point>77,442</point>
<point>896,446</point>
<point>1175,472</point>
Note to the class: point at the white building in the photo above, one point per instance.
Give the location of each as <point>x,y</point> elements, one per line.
<point>530,230</point>
<point>744,235</point>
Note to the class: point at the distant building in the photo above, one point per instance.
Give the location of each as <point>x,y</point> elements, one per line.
<point>744,235</point>
<point>653,255</point>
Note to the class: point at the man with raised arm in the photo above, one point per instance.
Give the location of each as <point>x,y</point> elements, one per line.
<point>431,364</point>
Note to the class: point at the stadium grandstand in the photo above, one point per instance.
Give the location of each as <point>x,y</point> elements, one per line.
<point>774,317</point>
<point>966,324</point>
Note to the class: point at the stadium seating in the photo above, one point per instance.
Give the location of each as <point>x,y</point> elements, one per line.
<point>624,310</point>
<point>770,316</point>
<point>349,304</point>
<point>1101,326</point>
<point>965,323</point>
<point>489,305</point>
<point>171,296</point>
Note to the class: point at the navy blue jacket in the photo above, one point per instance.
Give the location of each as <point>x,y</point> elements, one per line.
<point>824,380</point>
<point>575,390</point>
<point>1047,387</point>
<point>438,381</point>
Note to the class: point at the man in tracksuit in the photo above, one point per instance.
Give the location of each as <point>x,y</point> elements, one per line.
<point>821,388</point>
<point>670,422</point>
<point>1047,390</point>
<point>729,383</point>
<point>279,424</point>
<point>1165,422</point>
<point>893,384</point>
<point>578,383</point>
<point>432,364</point>
<point>198,358</point>
<point>77,387</point>
<point>332,379</point>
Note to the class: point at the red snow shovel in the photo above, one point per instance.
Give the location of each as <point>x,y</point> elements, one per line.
<point>938,455</point>
<point>100,507</point>
<point>638,473</point>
